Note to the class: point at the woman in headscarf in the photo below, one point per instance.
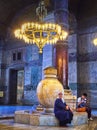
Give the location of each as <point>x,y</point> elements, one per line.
<point>62,111</point>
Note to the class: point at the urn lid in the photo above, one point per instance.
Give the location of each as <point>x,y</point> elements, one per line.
<point>50,71</point>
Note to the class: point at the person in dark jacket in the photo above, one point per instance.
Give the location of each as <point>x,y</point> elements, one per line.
<point>62,111</point>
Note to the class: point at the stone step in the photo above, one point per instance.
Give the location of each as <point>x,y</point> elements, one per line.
<point>70,97</point>
<point>67,91</point>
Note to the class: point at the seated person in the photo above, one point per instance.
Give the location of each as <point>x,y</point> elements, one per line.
<point>62,112</point>
<point>82,102</point>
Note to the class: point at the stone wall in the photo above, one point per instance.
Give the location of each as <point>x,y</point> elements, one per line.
<point>47,57</point>
<point>72,64</point>
<point>31,64</point>
<point>83,60</point>
<point>87,64</point>
<point>31,61</point>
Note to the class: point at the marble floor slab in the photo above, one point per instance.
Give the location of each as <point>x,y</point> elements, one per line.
<point>10,125</point>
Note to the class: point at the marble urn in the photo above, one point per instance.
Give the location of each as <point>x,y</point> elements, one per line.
<point>48,88</point>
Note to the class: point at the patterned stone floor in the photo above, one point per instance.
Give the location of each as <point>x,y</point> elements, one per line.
<point>10,125</point>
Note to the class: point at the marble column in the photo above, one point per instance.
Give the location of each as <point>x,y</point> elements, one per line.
<point>61,53</point>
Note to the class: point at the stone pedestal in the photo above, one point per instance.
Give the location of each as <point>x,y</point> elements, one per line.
<point>41,119</point>
<point>22,117</point>
<point>70,99</point>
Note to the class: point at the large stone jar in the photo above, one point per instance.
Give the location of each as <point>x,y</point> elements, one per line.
<point>49,87</point>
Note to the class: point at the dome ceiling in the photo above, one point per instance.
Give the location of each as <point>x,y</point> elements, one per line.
<point>10,8</point>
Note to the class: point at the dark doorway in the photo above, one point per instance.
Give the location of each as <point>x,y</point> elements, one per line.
<point>16,86</point>
<point>12,86</point>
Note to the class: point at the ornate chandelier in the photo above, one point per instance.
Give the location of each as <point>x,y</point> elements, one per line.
<point>41,33</point>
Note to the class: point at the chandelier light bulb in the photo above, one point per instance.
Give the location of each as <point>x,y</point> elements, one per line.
<point>28,24</point>
<point>23,27</point>
<point>46,26</point>
<point>39,27</point>
<point>95,41</point>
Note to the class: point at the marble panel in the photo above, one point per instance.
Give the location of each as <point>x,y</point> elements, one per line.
<point>87,72</point>
<point>34,120</point>
<point>36,75</point>
<point>47,57</point>
<point>79,118</point>
<point>52,121</point>
<point>72,43</point>
<point>85,43</point>
<point>30,97</point>
<point>27,77</point>
<point>22,117</point>
<point>72,72</point>
<point>31,53</point>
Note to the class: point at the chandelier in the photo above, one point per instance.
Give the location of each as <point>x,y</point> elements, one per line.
<point>41,33</point>
<point>95,41</point>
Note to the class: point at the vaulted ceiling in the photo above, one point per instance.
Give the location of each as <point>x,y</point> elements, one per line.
<point>10,8</point>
